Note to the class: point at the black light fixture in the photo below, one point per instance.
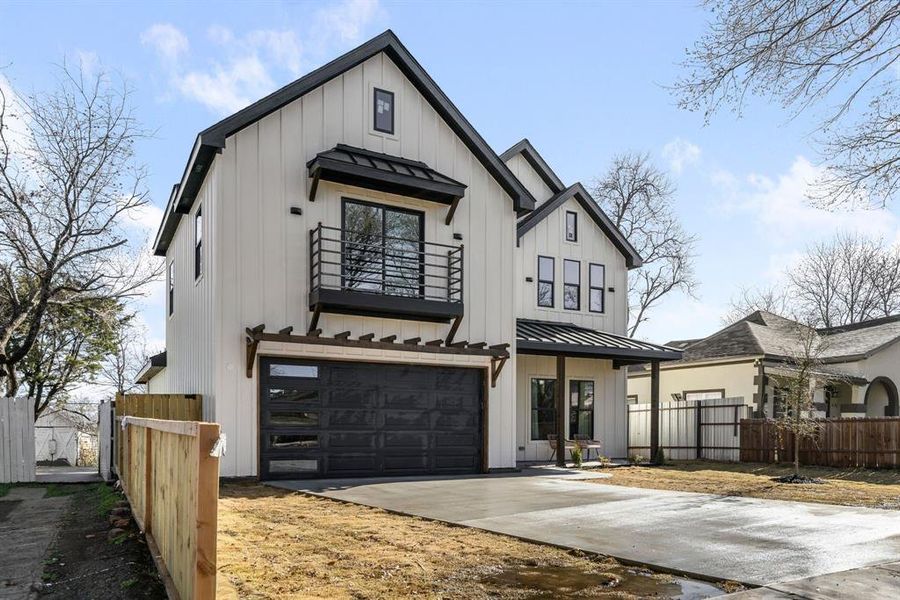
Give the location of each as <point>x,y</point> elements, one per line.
<point>296,210</point>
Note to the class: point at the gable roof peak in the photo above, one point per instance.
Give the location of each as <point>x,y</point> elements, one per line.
<point>536,161</point>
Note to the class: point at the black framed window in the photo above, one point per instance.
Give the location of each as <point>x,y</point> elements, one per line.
<point>597,290</point>
<point>545,287</point>
<point>543,408</point>
<point>198,243</point>
<point>384,111</point>
<point>383,249</point>
<point>571,285</point>
<point>581,408</point>
<point>571,226</point>
<point>171,278</point>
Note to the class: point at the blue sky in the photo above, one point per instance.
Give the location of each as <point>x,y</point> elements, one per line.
<point>583,81</point>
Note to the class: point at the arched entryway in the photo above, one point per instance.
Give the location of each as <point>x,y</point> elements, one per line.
<point>881,398</point>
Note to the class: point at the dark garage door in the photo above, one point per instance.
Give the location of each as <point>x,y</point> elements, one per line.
<point>337,419</point>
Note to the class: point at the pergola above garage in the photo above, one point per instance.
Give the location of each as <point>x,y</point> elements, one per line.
<point>565,340</point>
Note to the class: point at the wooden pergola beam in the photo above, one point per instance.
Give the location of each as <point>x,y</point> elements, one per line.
<point>496,367</point>
<point>452,211</point>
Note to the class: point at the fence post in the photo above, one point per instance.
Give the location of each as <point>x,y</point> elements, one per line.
<point>148,480</point>
<point>699,408</point>
<point>207,501</point>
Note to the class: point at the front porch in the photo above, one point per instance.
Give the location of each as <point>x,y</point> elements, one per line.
<point>590,404</point>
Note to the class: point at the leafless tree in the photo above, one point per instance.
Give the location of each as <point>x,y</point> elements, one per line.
<point>129,354</point>
<point>837,56</point>
<point>773,299</point>
<point>638,197</point>
<point>803,374</point>
<point>66,187</point>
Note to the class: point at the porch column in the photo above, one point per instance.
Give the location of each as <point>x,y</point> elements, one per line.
<point>654,410</point>
<point>761,390</point>
<point>561,411</point>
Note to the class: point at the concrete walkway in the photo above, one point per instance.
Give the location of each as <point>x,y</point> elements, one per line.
<point>67,474</point>
<point>882,581</point>
<point>751,541</point>
<point>28,525</point>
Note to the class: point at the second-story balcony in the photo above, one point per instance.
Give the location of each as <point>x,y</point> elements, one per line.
<point>366,272</point>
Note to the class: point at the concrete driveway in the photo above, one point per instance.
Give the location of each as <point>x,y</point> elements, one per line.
<point>751,541</point>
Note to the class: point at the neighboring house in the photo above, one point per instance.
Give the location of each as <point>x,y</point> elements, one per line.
<point>354,285</point>
<point>860,367</point>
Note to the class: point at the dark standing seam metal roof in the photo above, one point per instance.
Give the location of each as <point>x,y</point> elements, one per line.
<point>546,337</point>
<point>212,140</point>
<point>374,170</point>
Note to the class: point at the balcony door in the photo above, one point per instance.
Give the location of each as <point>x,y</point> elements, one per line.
<point>383,249</point>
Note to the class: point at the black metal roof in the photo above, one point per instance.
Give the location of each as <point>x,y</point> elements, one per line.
<point>545,337</point>
<point>154,365</point>
<point>212,140</point>
<point>386,173</point>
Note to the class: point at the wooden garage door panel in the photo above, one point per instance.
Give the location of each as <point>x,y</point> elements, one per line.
<point>369,419</point>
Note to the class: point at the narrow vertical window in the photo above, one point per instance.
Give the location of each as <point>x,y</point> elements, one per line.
<point>198,243</point>
<point>571,285</point>
<point>581,409</point>
<point>545,281</point>
<point>171,277</point>
<point>571,226</point>
<point>597,283</point>
<point>543,408</point>
<point>384,111</point>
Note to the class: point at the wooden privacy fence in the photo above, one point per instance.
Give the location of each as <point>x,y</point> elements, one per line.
<point>170,473</point>
<point>707,429</point>
<point>869,443</point>
<point>174,407</point>
<point>16,440</point>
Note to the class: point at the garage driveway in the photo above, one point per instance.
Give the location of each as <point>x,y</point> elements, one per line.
<point>742,539</point>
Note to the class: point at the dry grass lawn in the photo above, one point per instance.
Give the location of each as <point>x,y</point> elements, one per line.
<point>277,544</point>
<point>849,487</point>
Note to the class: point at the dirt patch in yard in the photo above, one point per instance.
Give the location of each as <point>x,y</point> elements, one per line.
<point>848,487</point>
<point>278,544</point>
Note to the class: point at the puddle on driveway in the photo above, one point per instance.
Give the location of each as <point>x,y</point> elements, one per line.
<point>614,581</point>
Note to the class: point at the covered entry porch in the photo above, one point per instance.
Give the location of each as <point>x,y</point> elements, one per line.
<point>571,385</point>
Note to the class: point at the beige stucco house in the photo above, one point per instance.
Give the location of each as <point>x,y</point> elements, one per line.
<point>359,285</point>
<point>860,364</point>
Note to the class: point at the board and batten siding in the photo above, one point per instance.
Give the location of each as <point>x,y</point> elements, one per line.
<point>529,178</point>
<point>261,260</point>
<point>610,425</point>
<point>190,351</point>
<point>547,238</point>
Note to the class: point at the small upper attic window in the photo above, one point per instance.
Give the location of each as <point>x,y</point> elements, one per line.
<point>384,111</point>
<point>571,226</point>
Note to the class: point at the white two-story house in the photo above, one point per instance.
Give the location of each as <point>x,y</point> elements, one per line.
<point>359,285</point>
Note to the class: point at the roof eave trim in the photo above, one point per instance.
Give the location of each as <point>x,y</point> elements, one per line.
<point>597,351</point>
<point>537,162</point>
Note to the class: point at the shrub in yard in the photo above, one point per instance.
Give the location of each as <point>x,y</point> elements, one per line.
<point>604,461</point>
<point>575,453</point>
<point>637,459</point>
<point>660,458</point>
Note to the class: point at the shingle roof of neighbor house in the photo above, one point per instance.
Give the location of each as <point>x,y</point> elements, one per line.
<point>764,333</point>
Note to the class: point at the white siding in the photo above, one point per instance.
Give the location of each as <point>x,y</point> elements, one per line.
<point>529,178</point>
<point>262,265</point>
<point>609,403</point>
<point>189,330</point>
<point>547,238</point>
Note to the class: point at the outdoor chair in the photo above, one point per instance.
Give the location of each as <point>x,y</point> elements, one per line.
<point>552,438</point>
<point>585,441</point>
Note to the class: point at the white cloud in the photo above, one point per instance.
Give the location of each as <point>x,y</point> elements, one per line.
<point>783,215</point>
<point>247,66</point>
<point>168,42</point>
<point>680,153</point>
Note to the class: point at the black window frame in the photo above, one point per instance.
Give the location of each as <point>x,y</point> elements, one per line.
<point>551,282</point>
<point>170,276</point>
<point>536,413</point>
<point>384,208</point>
<point>393,111</point>
<point>567,285</point>
<point>575,409</point>
<point>574,216</point>
<point>198,243</point>
<point>601,288</point>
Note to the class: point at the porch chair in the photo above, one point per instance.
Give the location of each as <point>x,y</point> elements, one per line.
<point>553,439</point>
<point>585,441</point>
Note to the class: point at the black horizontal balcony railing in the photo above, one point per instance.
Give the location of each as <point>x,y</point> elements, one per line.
<point>420,276</point>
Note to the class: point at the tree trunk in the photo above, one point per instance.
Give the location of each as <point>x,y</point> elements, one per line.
<point>796,455</point>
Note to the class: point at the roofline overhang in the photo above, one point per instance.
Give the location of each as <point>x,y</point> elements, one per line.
<point>212,140</point>
<point>600,352</point>
<point>537,162</point>
<point>577,191</point>
<point>706,362</point>
<point>154,365</point>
